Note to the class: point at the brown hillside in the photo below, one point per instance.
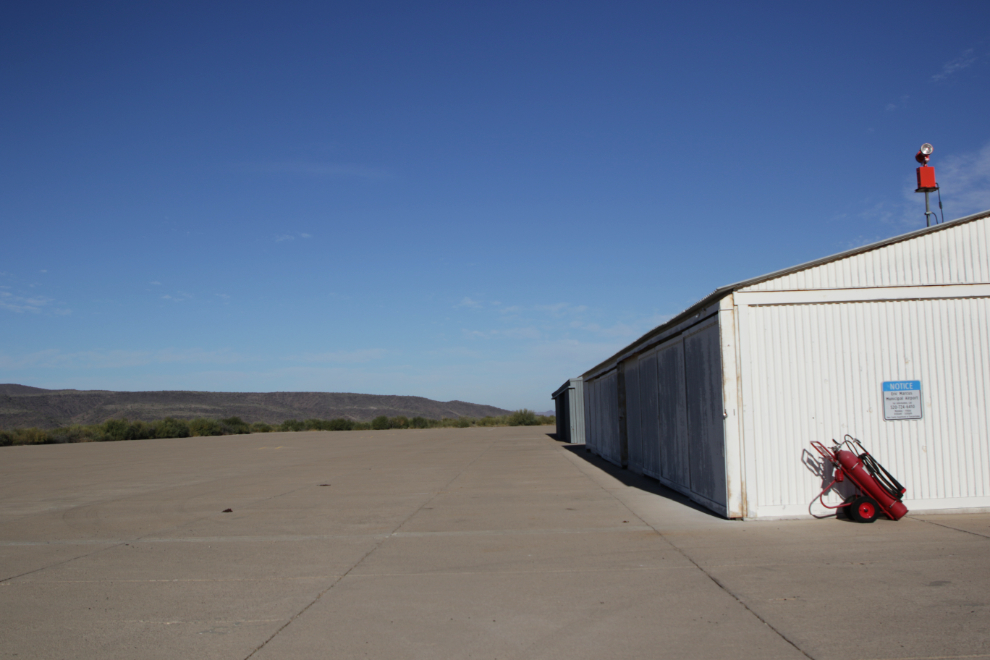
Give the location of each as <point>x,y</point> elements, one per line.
<point>22,406</point>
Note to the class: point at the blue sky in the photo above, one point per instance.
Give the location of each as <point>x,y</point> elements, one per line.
<point>450,200</point>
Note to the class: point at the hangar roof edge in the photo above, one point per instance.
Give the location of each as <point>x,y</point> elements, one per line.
<point>721,292</point>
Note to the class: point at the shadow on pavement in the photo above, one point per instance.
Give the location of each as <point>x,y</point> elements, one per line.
<point>634,480</point>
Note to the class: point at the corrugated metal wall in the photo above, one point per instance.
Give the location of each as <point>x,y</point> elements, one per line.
<point>590,436</point>
<point>674,452</point>
<point>635,437</point>
<point>609,408</point>
<point>674,414</point>
<point>569,407</point>
<point>706,435</point>
<point>561,408</point>
<point>957,255</point>
<point>575,414</point>
<point>815,372</point>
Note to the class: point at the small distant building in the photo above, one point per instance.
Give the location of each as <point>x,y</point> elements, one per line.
<point>888,342</point>
<point>569,409</point>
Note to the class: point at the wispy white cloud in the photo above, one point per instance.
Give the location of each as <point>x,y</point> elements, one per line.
<point>509,333</point>
<point>342,357</point>
<point>965,187</point>
<point>468,302</point>
<point>620,330</point>
<point>155,283</point>
<point>178,296</point>
<point>965,59</point>
<point>279,238</point>
<point>21,304</point>
<point>560,309</point>
<point>965,181</point>
<point>900,103</point>
<point>112,359</point>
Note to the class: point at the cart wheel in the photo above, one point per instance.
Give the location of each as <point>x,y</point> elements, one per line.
<point>864,509</point>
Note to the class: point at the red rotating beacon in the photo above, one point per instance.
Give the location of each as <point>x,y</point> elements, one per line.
<point>879,491</point>
<point>926,179</point>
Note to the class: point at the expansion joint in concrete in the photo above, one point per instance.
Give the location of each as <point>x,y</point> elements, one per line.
<point>370,552</point>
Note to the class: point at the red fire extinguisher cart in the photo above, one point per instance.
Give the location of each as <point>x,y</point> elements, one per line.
<point>879,491</point>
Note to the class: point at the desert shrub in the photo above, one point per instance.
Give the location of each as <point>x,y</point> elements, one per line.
<point>315,425</point>
<point>380,423</point>
<point>523,417</point>
<point>139,431</point>
<point>116,429</point>
<point>60,436</point>
<point>29,436</point>
<point>79,433</point>
<point>172,428</point>
<point>234,426</point>
<point>546,419</point>
<point>6,438</point>
<point>361,426</point>
<point>463,422</point>
<point>340,424</point>
<point>261,427</point>
<point>399,422</point>
<point>419,423</point>
<point>292,425</point>
<point>205,427</point>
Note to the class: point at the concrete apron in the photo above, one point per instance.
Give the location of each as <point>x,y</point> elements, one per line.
<point>489,543</point>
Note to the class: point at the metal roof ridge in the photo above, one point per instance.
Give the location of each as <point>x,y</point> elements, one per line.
<point>724,290</point>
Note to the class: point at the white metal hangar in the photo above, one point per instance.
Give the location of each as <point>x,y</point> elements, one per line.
<point>888,342</point>
<point>569,406</point>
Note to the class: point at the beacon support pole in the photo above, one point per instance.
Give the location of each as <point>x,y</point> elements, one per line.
<point>926,179</point>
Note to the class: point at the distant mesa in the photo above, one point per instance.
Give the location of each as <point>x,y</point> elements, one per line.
<point>23,406</point>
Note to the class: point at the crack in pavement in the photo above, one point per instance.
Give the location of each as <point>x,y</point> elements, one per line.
<point>377,545</point>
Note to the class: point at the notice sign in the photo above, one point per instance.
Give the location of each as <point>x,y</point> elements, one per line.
<point>902,399</point>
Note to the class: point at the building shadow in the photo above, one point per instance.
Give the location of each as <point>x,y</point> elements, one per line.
<point>633,480</point>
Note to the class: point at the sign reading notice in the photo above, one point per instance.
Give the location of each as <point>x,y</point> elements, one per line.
<point>902,399</point>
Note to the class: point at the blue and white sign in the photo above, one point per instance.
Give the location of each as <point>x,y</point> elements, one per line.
<point>902,399</point>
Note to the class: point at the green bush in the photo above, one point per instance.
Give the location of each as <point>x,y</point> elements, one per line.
<point>75,433</point>
<point>121,429</point>
<point>292,425</point>
<point>340,424</point>
<point>172,428</point>
<point>234,426</point>
<point>205,427</point>
<point>29,436</point>
<point>523,417</point>
<point>116,429</point>
<point>139,431</point>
